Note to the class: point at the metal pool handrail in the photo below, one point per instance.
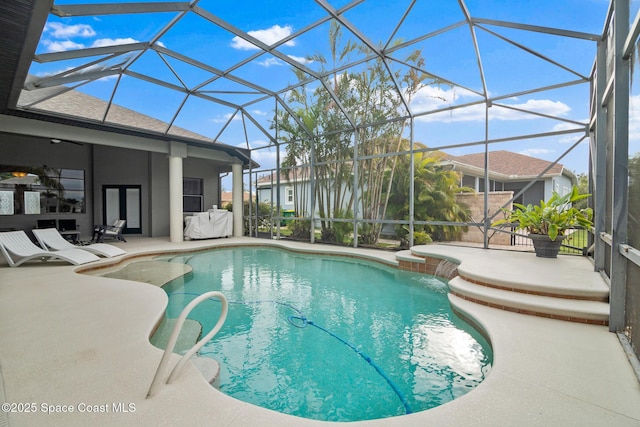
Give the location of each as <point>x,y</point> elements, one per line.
<point>162,367</point>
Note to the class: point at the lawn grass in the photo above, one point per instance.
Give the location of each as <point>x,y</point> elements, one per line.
<point>579,239</point>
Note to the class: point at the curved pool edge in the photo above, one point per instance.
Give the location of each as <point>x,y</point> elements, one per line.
<point>538,376</point>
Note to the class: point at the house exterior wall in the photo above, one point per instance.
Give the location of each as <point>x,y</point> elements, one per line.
<point>560,184</point>
<point>104,165</point>
<point>533,195</point>
<point>265,195</point>
<point>159,183</point>
<point>159,201</point>
<point>121,166</point>
<point>22,150</point>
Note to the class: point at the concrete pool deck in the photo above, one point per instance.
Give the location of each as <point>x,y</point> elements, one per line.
<point>77,342</point>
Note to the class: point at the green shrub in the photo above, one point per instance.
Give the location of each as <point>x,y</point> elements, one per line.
<point>300,228</point>
<point>421,238</point>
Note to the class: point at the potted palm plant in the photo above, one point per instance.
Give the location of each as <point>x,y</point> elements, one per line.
<point>547,222</point>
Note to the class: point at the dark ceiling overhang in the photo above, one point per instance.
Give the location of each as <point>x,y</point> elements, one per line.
<point>21,23</point>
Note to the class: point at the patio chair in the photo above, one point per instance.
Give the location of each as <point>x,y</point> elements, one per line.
<point>110,231</point>
<point>17,248</point>
<point>50,238</point>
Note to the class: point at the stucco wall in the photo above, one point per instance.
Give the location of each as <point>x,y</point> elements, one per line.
<point>120,166</point>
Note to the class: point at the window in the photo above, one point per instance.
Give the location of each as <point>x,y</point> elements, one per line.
<point>289,195</point>
<point>192,195</point>
<point>36,190</point>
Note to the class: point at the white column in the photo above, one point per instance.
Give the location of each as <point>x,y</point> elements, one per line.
<point>176,153</point>
<point>237,199</point>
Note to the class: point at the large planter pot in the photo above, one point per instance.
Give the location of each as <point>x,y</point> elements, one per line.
<point>545,247</point>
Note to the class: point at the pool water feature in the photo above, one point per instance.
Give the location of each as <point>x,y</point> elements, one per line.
<point>330,338</point>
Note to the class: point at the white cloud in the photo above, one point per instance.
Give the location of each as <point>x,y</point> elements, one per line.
<point>275,61</point>
<point>569,138</point>
<point>300,59</point>
<point>64,45</point>
<point>266,157</point>
<point>544,106</point>
<point>61,46</point>
<point>430,98</point>
<point>270,61</point>
<point>113,42</point>
<point>259,112</point>
<point>224,118</point>
<point>268,36</point>
<point>433,98</point>
<point>61,31</point>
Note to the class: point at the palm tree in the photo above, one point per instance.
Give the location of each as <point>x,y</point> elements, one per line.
<point>435,188</point>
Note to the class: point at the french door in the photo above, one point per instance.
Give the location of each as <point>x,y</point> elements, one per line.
<point>123,202</point>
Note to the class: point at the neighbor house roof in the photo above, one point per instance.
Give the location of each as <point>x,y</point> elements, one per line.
<point>506,166</point>
<point>503,166</point>
<point>286,176</point>
<point>227,196</point>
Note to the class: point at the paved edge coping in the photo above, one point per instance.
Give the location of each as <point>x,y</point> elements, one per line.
<point>601,294</point>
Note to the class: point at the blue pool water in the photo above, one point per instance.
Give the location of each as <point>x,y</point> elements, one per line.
<point>330,338</point>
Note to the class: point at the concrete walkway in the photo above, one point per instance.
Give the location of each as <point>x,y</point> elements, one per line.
<point>74,342</point>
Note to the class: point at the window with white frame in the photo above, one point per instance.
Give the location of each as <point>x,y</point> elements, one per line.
<point>289,193</point>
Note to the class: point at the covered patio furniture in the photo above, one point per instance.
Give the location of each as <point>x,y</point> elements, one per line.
<point>17,248</point>
<point>110,231</point>
<point>211,224</point>
<point>50,238</point>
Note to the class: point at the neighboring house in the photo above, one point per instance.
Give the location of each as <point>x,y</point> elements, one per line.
<point>295,184</point>
<point>508,174</point>
<point>227,197</point>
<point>510,171</point>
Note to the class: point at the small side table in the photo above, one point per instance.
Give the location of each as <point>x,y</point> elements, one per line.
<point>71,235</point>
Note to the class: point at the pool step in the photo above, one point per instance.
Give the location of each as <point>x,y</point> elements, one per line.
<point>575,310</point>
<point>209,368</point>
<point>190,334</point>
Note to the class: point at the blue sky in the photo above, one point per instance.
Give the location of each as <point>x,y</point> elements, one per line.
<point>508,69</point>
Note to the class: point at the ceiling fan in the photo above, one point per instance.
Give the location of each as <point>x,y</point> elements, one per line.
<point>59,141</point>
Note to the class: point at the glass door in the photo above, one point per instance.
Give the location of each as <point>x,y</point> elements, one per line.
<point>123,202</point>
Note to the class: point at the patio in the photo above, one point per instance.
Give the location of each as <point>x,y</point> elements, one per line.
<point>552,83</point>
<point>80,340</point>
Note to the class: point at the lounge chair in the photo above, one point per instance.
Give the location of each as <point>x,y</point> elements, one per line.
<point>111,231</point>
<point>18,248</point>
<point>50,238</point>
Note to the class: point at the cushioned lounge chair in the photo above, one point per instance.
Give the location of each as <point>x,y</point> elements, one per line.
<point>17,248</point>
<point>50,238</point>
<point>111,231</point>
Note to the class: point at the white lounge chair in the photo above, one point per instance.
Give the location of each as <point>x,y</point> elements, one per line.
<point>50,238</point>
<point>16,244</point>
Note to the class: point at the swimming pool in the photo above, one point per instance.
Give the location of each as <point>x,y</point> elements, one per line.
<point>330,338</point>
